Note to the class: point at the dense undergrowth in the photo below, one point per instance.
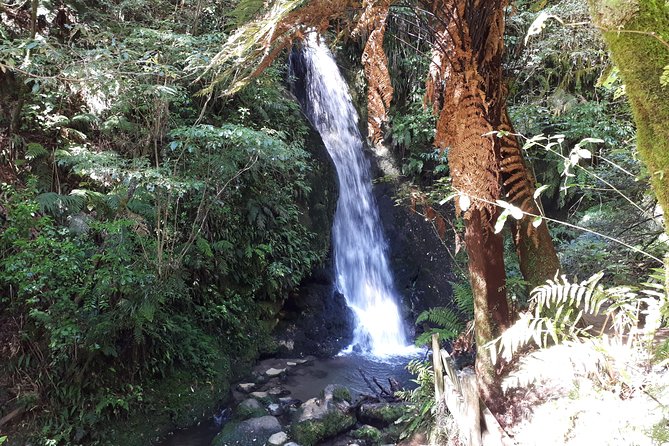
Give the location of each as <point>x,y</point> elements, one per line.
<point>149,233</point>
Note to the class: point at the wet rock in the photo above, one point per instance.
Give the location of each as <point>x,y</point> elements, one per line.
<point>418,257</point>
<point>249,408</point>
<point>278,391</point>
<point>246,387</point>
<point>368,433</point>
<point>380,414</point>
<point>275,409</point>
<point>321,418</point>
<point>288,401</point>
<point>274,372</point>
<point>255,431</point>
<point>259,394</point>
<point>315,320</point>
<point>278,439</point>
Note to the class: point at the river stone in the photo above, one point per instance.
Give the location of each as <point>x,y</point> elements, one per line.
<point>249,408</point>
<point>319,419</point>
<point>278,439</point>
<point>259,394</point>
<point>275,409</point>
<point>274,372</point>
<point>291,364</point>
<point>246,387</point>
<point>253,432</point>
<point>278,391</point>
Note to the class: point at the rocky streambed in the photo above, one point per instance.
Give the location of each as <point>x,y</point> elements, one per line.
<point>309,401</point>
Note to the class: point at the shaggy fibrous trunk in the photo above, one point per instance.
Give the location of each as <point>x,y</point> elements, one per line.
<point>464,86</point>
<point>537,256</point>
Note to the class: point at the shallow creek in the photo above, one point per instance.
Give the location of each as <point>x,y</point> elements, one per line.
<point>305,381</point>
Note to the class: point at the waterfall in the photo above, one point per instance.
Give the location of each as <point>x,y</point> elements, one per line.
<point>360,253</point>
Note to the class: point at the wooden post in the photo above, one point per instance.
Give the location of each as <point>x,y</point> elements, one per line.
<point>438,370</point>
<point>471,407</point>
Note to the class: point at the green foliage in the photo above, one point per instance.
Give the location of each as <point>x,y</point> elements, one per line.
<point>447,322</point>
<point>157,225</point>
<point>559,306</point>
<point>422,407</point>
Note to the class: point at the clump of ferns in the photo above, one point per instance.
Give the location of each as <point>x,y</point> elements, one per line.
<point>584,329</point>
<point>424,415</point>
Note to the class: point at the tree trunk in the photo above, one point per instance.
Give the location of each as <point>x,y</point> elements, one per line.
<point>465,80</point>
<point>536,252</point>
<point>637,34</point>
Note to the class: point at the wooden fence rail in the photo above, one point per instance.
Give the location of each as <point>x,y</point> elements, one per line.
<point>459,391</point>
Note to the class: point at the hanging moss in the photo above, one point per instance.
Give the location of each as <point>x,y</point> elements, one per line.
<point>637,32</point>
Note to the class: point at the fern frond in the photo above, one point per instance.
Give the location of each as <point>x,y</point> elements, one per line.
<point>448,324</point>
<point>561,292</point>
<point>57,204</point>
<point>35,150</point>
<point>464,299</point>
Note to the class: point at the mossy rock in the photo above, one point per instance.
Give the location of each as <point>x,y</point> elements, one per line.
<point>311,432</point>
<point>252,432</point>
<point>249,408</point>
<point>341,394</point>
<point>381,414</point>
<point>368,433</point>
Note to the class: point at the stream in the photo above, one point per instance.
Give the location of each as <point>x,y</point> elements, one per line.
<point>308,381</point>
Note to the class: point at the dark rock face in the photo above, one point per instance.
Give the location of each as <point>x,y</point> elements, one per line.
<point>419,260</point>
<point>316,320</point>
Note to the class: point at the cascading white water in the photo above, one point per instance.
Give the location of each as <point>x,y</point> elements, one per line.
<point>361,261</point>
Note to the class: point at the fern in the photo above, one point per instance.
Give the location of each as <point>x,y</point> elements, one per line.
<point>464,299</point>
<point>449,324</point>
<point>559,305</point>
<point>35,150</point>
<point>57,204</point>
<point>557,296</point>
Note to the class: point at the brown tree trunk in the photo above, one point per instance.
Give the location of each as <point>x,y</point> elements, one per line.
<point>536,252</point>
<point>467,63</point>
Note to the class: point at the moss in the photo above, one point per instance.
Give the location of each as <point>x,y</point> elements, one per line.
<point>639,48</point>
<point>368,433</point>
<point>180,400</point>
<point>244,413</point>
<point>310,432</point>
<point>341,394</point>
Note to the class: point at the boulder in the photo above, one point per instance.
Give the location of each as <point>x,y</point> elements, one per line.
<point>252,432</point>
<point>274,372</point>
<point>275,409</point>
<point>321,418</point>
<point>368,433</point>
<point>246,387</point>
<point>249,408</point>
<point>278,439</point>
<point>380,414</point>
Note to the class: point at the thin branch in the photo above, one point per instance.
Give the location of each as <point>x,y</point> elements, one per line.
<point>581,228</point>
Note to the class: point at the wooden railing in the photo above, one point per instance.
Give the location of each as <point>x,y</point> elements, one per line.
<point>460,393</point>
